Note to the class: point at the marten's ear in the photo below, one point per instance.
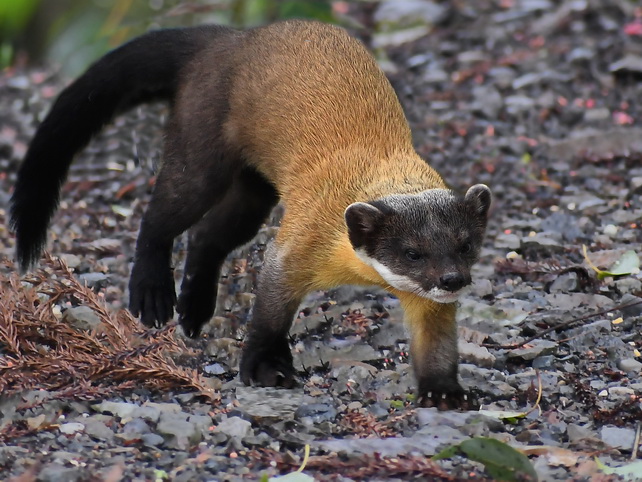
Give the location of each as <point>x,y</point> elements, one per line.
<point>363,220</point>
<point>479,197</point>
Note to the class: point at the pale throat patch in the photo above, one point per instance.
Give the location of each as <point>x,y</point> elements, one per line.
<point>404,283</point>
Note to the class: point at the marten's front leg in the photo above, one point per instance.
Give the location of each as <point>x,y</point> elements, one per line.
<point>434,353</point>
<point>267,359</point>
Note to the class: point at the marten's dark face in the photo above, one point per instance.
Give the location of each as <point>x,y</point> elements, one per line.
<point>424,243</point>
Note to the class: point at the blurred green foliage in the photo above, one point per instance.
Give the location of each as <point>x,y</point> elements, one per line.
<point>73,33</point>
<point>14,15</point>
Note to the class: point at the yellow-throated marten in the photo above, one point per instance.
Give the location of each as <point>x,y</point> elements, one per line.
<point>297,111</point>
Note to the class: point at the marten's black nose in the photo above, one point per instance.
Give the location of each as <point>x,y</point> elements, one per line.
<point>452,281</point>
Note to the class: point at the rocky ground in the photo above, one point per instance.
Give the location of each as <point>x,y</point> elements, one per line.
<point>540,100</point>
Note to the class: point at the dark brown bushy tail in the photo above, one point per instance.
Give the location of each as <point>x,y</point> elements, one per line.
<point>145,69</point>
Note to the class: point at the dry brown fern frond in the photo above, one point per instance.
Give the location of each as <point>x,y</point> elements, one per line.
<point>38,350</point>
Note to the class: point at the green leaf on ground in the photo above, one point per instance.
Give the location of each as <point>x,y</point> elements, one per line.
<point>628,263</point>
<point>502,462</point>
<point>631,471</point>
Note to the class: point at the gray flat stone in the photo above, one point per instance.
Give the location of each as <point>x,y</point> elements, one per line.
<point>479,355</point>
<point>269,403</point>
<point>178,432</point>
<point>98,430</point>
<point>81,317</point>
<point>71,428</point>
<point>617,437</point>
<point>316,412</point>
<point>234,427</point>
<point>135,427</point>
<point>630,365</point>
<point>119,409</point>
<point>152,439</point>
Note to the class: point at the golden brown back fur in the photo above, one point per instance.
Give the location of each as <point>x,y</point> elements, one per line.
<point>339,137</point>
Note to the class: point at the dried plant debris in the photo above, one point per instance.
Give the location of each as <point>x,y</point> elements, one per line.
<point>623,414</point>
<point>361,424</point>
<point>43,348</point>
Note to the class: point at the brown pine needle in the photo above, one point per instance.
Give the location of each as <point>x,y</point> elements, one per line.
<point>40,351</point>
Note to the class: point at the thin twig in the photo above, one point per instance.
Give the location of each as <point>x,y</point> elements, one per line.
<point>563,324</point>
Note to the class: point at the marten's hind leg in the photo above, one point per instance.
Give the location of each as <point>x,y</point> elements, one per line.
<point>267,359</point>
<point>230,223</point>
<point>192,179</point>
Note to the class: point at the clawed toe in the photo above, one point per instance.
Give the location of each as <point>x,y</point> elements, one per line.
<point>152,296</point>
<point>268,367</point>
<point>457,400</point>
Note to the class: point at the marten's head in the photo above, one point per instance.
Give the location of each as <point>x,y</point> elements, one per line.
<point>422,243</point>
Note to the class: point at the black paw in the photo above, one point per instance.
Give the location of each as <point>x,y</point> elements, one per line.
<point>268,364</point>
<point>191,326</point>
<point>151,294</point>
<point>453,399</point>
<point>194,311</point>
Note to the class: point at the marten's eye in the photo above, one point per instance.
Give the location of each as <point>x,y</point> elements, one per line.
<point>412,255</point>
<point>465,248</point>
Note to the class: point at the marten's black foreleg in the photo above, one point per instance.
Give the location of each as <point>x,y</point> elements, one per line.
<point>230,223</point>
<point>267,359</point>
